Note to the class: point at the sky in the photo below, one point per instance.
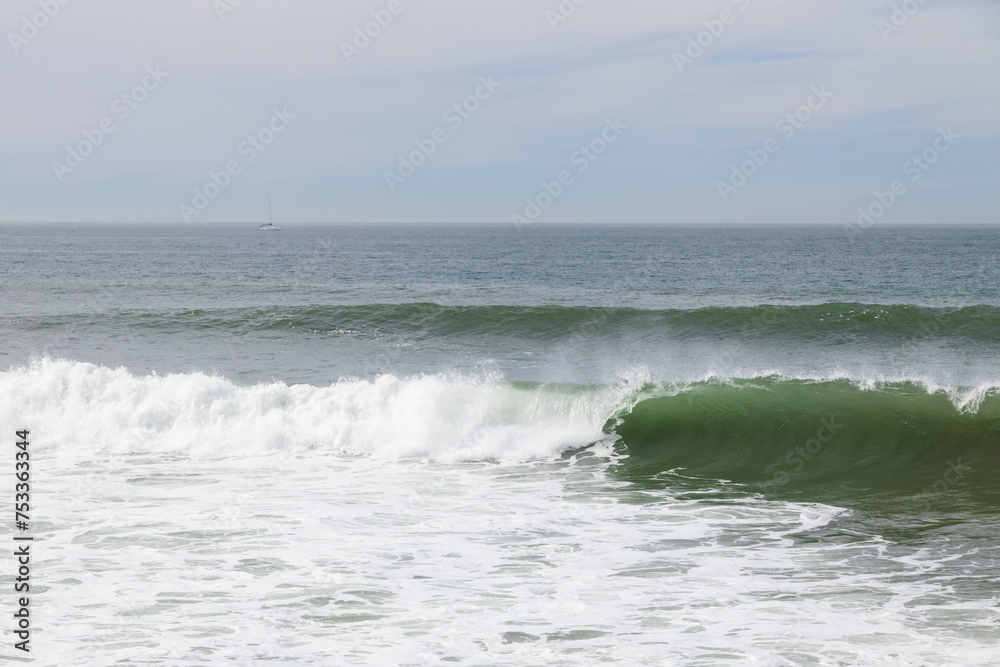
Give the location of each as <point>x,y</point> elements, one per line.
<point>547,111</point>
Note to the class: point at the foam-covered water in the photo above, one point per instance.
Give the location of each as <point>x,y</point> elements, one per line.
<point>320,560</point>
<point>81,408</point>
<point>648,446</point>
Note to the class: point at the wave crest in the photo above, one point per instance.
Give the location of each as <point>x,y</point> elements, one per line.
<point>772,432</point>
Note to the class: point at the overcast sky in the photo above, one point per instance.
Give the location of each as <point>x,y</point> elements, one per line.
<point>667,98</point>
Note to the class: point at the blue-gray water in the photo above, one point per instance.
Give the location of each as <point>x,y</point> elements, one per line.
<point>291,305</point>
<point>501,445</point>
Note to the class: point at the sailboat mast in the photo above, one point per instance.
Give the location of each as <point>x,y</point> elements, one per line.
<point>270,214</point>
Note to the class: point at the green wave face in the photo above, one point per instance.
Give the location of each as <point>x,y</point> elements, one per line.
<point>809,438</point>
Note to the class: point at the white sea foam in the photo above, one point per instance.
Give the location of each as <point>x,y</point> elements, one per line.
<point>80,407</point>
<point>324,560</point>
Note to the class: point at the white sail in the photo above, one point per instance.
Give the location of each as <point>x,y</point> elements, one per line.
<point>269,226</point>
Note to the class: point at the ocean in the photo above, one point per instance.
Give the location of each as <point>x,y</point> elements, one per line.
<point>506,445</point>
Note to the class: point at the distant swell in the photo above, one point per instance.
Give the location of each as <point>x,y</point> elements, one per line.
<point>831,322</point>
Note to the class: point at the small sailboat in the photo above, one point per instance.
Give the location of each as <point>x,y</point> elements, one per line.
<point>269,226</point>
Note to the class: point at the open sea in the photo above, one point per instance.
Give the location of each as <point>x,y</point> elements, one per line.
<point>490,445</point>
